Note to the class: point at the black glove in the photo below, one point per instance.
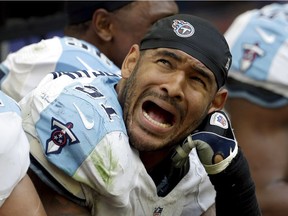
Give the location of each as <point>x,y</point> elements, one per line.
<point>214,141</point>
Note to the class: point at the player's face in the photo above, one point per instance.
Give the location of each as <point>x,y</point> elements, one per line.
<point>167,94</point>
<point>132,23</point>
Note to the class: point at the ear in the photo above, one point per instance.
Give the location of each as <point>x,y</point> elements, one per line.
<point>102,22</point>
<point>130,61</point>
<point>219,100</point>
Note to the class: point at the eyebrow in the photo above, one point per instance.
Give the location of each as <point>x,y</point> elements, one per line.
<point>198,69</point>
<point>170,54</point>
<point>204,73</point>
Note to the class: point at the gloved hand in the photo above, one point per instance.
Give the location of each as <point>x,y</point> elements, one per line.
<point>214,141</point>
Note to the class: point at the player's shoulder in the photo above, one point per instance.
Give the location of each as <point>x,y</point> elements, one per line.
<point>62,95</point>
<point>77,46</point>
<point>80,54</point>
<point>77,118</point>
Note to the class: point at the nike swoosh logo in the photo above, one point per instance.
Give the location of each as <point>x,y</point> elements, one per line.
<point>268,38</point>
<point>88,124</point>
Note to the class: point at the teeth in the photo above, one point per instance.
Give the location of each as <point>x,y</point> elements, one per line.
<point>155,122</point>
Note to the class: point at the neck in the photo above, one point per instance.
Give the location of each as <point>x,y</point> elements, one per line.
<point>153,158</point>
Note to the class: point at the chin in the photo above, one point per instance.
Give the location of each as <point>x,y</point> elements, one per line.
<point>146,146</point>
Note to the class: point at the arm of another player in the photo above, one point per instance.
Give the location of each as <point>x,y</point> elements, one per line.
<point>54,203</point>
<point>211,211</point>
<point>23,201</point>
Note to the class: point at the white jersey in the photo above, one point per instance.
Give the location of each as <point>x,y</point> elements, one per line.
<point>22,71</point>
<point>77,133</point>
<point>14,147</point>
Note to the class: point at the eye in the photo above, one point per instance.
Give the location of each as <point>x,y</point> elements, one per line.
<point>198,79</point>
<point>164,62</point>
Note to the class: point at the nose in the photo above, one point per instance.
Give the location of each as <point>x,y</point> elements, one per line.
<point>174,85</point>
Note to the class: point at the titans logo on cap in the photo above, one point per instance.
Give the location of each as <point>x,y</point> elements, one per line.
<point>182,28</point>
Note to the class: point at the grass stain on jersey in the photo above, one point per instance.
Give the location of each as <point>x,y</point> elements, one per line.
<point>105,166</point>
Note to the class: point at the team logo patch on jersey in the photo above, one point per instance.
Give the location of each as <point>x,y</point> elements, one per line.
<point>60,137</point>
<point>182,28</point>
<point>157,211</point>
<point>250,53</point>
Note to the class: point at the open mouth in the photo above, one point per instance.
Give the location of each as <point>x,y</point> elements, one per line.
<point>157,115</point>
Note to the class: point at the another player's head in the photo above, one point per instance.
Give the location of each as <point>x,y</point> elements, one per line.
<point>173,80</point>
<point>259,44</point>
<point>114,26</point>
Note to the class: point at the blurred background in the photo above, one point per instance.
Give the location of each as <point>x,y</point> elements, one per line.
<point>25,22</point>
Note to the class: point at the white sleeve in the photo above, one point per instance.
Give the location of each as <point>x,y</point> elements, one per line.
<point>25,68</point>
<point>14,153</point>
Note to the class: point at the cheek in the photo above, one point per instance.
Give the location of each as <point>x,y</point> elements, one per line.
<point>194,118</point>
<point>198,106</point>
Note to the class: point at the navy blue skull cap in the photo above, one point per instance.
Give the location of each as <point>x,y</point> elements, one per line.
<point>195,36</point>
